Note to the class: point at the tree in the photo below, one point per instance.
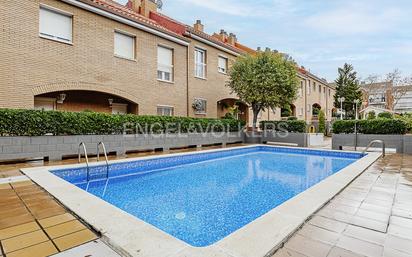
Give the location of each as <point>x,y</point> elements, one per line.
<point>322,122</point>
<point>347,86</point>
<point>400,86</point>
<point>265,80</point>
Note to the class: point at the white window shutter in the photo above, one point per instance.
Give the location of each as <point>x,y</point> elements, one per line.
<point>55,25</point>
<point>124,45</point>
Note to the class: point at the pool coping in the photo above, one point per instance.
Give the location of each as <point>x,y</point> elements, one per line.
<point>131,236</point>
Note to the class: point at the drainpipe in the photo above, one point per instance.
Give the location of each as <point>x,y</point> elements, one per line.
<point>187,81</point>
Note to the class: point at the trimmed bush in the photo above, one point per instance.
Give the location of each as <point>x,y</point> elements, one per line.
<point>371,115</point>
<point>322,122</point>
<point>39,123</point>
<point>385,115</point>
<point>297,126</point>
<point>292,118</point>
<point>376,126</point>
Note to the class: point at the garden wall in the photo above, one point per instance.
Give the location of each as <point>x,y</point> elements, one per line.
<point>56,147</point>
<point>402,143</point>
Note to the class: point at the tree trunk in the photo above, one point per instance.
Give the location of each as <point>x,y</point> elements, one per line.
<point>256,111</point>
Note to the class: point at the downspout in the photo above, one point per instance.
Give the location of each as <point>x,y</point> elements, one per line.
<point>187,81</point>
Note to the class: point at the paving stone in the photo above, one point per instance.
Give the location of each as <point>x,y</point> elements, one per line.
<point>382,217</point>
<point>369,224</point>
<point>99,249</point>
<point>75,239</point>
<point>308,247</point>
<point>40,250</point>
<point>360,247</point>
<point>365,234</point>
<point>400,231</point>
<point>285,252</point>
<point>55,220</point>
<point>23,241</point>
<point>64,229</point>
<point>319,234</point>
<point>340,252</point>
<point>328,224</point>
<point>18,230</point>
<point>389,252</point>
<point>402,222</point>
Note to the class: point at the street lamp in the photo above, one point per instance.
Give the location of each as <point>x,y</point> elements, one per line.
<point>356,102</point>
<point>341,100</point>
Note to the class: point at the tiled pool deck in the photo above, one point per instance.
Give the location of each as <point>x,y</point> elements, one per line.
<point>372,217</point>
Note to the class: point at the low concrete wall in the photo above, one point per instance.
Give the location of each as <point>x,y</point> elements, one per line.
<point>55,147</point>
<point>301,139</point>
<point>402,143</point>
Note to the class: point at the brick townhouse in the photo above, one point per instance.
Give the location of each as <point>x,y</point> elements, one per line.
<point>99,55</point>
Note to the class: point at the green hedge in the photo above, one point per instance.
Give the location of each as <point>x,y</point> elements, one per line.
<point>38,123</point>
<point>376,126</point>
<point>297,126</point>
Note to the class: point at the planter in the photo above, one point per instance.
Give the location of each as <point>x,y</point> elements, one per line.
<point>402,143</point>
<point>316,139</point>
<point>56,147</point>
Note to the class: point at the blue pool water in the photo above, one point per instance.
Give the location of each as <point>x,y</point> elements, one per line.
<point>210,195</point>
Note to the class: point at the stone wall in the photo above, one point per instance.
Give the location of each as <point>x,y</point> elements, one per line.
<point>56,147</point>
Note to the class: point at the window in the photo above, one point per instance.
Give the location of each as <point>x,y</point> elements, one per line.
<point>301,112</point>
<point>309,108</point>
<point>55,25</point>
<point>165,110</point>
<point>200,106</point>
<point>164,63</point>
<point>309,88</point>
<point>301,89</point>
<point>320,89</point>
<point>200,63</point>
<point>124,45</point>
<point>222,64</point>
<point>314,87</point>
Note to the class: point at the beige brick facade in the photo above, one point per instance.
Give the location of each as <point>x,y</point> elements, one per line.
<point>32,66</point>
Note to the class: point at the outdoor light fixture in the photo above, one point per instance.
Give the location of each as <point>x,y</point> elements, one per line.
<point>341,100</point>
<point>110,102</point>
<point>61,98</point>
<point>356,102</point>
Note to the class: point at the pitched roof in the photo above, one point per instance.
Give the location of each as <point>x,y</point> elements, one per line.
<point>127,13</point>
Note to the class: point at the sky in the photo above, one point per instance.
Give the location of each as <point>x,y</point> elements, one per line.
<point>321,35</point>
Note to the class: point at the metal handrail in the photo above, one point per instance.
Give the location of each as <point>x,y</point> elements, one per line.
<point>87,158</point>
<point>105,156</point>
<point>376,142</point>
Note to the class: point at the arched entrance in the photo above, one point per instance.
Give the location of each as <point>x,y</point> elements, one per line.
<point>316,108</point>
<point>231,107</point>
<point>84,100</point>
<point>288,111</point>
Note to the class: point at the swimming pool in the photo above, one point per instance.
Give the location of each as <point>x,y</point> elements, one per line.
<point>202,198</point>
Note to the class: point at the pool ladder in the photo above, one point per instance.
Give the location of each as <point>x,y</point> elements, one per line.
<point>376,142</point>
<point>82,145</point>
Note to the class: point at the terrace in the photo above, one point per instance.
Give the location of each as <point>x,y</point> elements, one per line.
<point>371,217</point>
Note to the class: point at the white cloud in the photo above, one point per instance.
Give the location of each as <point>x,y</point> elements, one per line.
<point>352,19</point>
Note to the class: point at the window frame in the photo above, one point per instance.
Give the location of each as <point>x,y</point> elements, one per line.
<point>204,65</point>
<point>61,12</point>
<point>226,62</point>
<point>125,33</point>
<point>172,66</point>
<point>162,106</point>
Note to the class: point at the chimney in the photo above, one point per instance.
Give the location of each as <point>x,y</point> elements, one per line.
<point>268,49</point>
<point>144,7</point>
<point>199,26</point>
<point>222,36</point>
<point>232,39</point>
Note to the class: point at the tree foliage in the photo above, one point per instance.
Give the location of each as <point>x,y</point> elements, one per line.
<point>347,86</point>
<point>265,80</point>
